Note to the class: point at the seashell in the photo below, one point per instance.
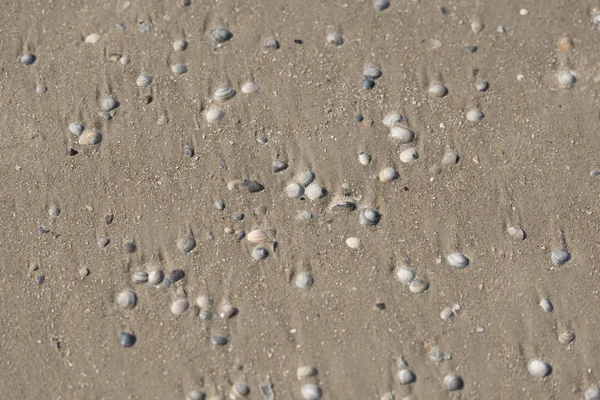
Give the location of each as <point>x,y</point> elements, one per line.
<point>279,166</point>
<point>259,253</point>
<point>368,84</point>
<point>437,90</point>
<point>539,368</point>
<point>314,191</point>
<point>227,311</point>
<point>257,236</point>
<point>560,256</point>
<point>214,115</point>
<point>184,3</point>
<point>127,299</point>
<point>566,78</point>
<point>250,87</point>
<point>388,174</point>
<point>303,280</point>
<point>162,120</point>
<point>127,339</point>
<point>239,390</point>
<point>405,275</point>
<point>392,119</point>
<point>235,184</point>
<point>457,260</point>
<point>180,45</point>
<point>176,275</point>
<point>450,158</point>
<point>308,391</point>
<point>155,277</point>
<point>381,5</point>
<point>108,103</point>
<point>270,44</point>
<point>223,94</point>
<point>41,88</point>
<point>364,158</point>
<point>144,27</point>
<point>418,286</point>
<point>452,383</point>
<point>447,313</point>
<point>401,134</point>
<point>253,186</point>
<point>476,26</point>
<point>436,354</point>
<point>140,277</point>
<point>388,396</point>
<point>102,243</point>
<point>305,372</point>
<point>180,306</point>
<point>143,80</point>
<point>592,393</point>
<point>474,115</point>
<point>195,394</point>
<point>368,216</point>
<point>516,233</point>
<point>481,86</point>
<point>27,59</point>
<point>129,247</point>
<point>205,314</point>
<point>92,38</point>
<point>409,155</point>
<point>304,216</point>
<point>546,305</point>
<point>124,60</point>
<point>406,376</point>
<point>305,178</point>
<point>204,302</point>
<point>353,242</point>
<point>105,115</point>
<point>221,35</point>
<point>218,340</point>
<point>76,128</point>
<point>342,204</point>
<point>335,39</point>
<point>178,69</point>
<point>564,44</point>
<point>186,243</point>
<point>566,337</point>
<point>372,72</point>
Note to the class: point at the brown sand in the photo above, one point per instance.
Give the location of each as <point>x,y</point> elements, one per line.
<point>535,149</point>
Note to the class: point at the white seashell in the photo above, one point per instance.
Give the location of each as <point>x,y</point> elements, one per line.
<point>452,383</point>
<point>447,313</point>
<point>392,119</point>
<point>539,368</point>
<point>474,115</point>
<point>270,44</point>
<point>401,134</point>
<point>180,306</point>
<point>314,191</point>
<point>353,242</point>
<point>388,396</point>
<point>257,236</point>
<point>76,128</point>
<point>388,175</point>
<point>214,115</point>
<point>204,302</point>
<point>304,216</point>
<point>409,155</point>
<point>481,86</point>
<point>238,391</point>
<point>364,158</point>
<point>304,280</point>
<point>186,243</point>
<point>27,59</point>
<point>92,38</point>
<point>89,138</point>
<point>127,299</point>
<point>227,311</point>
<point>305,372</point>
<point>143,80</point>
<point>418,286</point>
<point>592,393</point>
<point>140,277</point>
<point>309,391</point>
<point>381,5</point>
<point>178,69</point>
<point>450,158</point>
<point>516,233</point>
<point>180,45</point>
<point>566,337</point>
<point>457,260</point>
<point>155,277</point>
<point>406,376</point>
<point>279,165</point>
<point>372,72</point>
<point>41,88</point>
<point>437,90</point>
<point>476,26</point>
<point>224,93</point>
<point>294,190</point>
<point>108,103</point>
<point>436,354</point>
<point>560,256</point>
<point>250,87</point>
<point>335,39</point>
<point>546,305</point>
<point>405,275</point>
<point>305,177</point>
<point>566,78</point>
<point>368,216</point>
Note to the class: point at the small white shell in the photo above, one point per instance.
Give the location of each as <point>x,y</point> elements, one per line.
<point>314,191</point>
<point>364,158</point>
<point>405,275</point>
<point>560,256</point>
<point>126,299</point>
<point>28,59</point>
<point>387,175</point>
<point>204,302</point>
<point>257,236</point>
<point>406,376</point>
<point>452,383</point>
<point>409,155</point>
<point>418,286</point>
<point>76,128</point>
<point>381,5</point>
<point>592,393</point>
<point>546,305</point>
<point>457,260</point>
<point>450,158</point>
<point>140,277</point>
<point>368,216</point>
<point>447,313</point>
<point>155,277</point>
<point>566,78</point>
<point>437,90</point>
<point>250,87</point>
<point>226,311</point>
<point>372,72</point>
<point>566,337</point>
<point>305,372</point>
<point>178,69</point>
<point>516,232</point>
<point>89,138</point>
<point>474,115</point>
<point>92,38</point>
<point>143,80</point>
<point>401,134</point>
<point>353,242</point>
<point>180,45</point>
<point>238,391</point>
<point>335,39</point>
<point>180,306</point>
<point>305,177</point>
<point>214,115</point>
<point>309,391</point>
<point>539,368</point>
<point>186,243</point>
<point>476,26</point>
<point>294,190</point>
<point>303,280</point>
<point>224,93</point>
<point>388,396</point>
<point>108,103</point>
<point>270,44</point>
<point>392,119</point>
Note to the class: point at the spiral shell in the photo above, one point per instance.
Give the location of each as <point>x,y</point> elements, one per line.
<point>143,80</point>
<point>406,376</point>
<point>214,115</point>
<point>457,260</point>
<point>221,35</point>
<point>405,275</point>
<point>387,175</point>
<point>401,134</point>
<point>127,299</point>
<point>155,277</point>
<point>539,368</point>
<point>335,39</point>
<point>566,337</point>
<point>180,306</point>
<point>368,216</point>
<point>224,93</point>
<point>308,391</point>
<point>560,256</point>
<point>452,383</point>
<point>250,87</point>
<point>178,69</point>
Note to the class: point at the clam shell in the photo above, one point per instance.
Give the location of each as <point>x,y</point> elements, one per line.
<point>155,277</point>
<point>279,166</point>
<point>108,103</point>
<point>387,175</point>
<point>227,311</point>
<point>214,115</point>
<point>180,45</point>
<point>388,396</point>
<point>314,191</point>
<point>76,128</point>
<point>566,78</point>
<point>218,340</point>
<point>140,277</point>
<point>259,253</point>
<point>368,84</point>
<point>204,302</point>
<point>450,158</point>
<point>405,275</point>
<point>368,216</point>
<point>257,236</point>
<point>447,313</point>
<point>224,93</point>
<point>392,119</point>
<point>304,216</point>
<point>364,158</point>
<point>481,86</point>
<point>335,39</point>
<point>27,59</point>
<point>221,35</point>
<point>143,80</point>
<point>235,184</point>
<point>186,243</point>
<point>592,393</point>
<point>457,260</point>
<point>539,368</point>
<point>342,204</point>
<point>127,299</point>
<point>546,305</point>
<point>566,337</point>
<point>372,72</point>
<point>452,383</point>
<point>401,134</point>
<point>127,339</point>
<point>270,44</point>
<point>294,190</point>
<point>180,306</point>
<point>409,155</point>
<point>305,178</point>
<point>253,186</point>
<point>178,69</point>
<point>205,314</point>
<point>308,391</point>
<point>436,354</point>
<point>303,280</point>
<point>476,26</point>
<point>239,390</point>
<point>250,87</point>
<point>437,90</point>
<point>176,275</point>
<point>163,119</point>
<point>560,256</point>
<point>92,38</point>
<point>406,376</point>
<point>195,394</point>
<point>516,233</point>
<point>305,371</point>
<point>353,242</point>
<point>41,88</point>
<point>381,5</point>
<point>474,115</point>
<point>418,286</point>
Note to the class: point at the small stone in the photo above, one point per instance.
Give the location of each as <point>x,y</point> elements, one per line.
<point>129,247</point>
<point>368,84</point>
<point>218,340</point>
<point>41,89</point>
<point>127,339</point>
<point>188,151</point>
<point>40,279</point>
<point>83,272</point>
<point>73,152</point>
<point>471,49</point>
<point>359,118</point>
<point>109,219</point>
<point>102,243</point>
<point>481,86</point>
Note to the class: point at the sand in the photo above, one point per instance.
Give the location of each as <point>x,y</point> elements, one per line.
<point>527,163</point>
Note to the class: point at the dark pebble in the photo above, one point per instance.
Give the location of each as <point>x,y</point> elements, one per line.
<point>253,186</point>
<point>129,247</point>
<point>176,275</point>
<point>237,216</point>
<point>127,339</point>
<point>471,49</point>
<point>188,151</point>
<point>368,84</point>
<point>241,235</point>
<point>443,11</point>
<point>380,306</point>
<point>298,41</point>
<point>219,340</point>
<point>73,152</point>
<point>109,219</point>
<point>40,279</point>
<point>359,118</point>
<point>42,230</point>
